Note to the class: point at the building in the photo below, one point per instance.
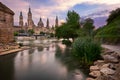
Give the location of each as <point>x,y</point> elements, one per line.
<point>30,24</point>
<point>6,24</point>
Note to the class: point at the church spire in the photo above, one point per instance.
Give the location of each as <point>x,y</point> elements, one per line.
<point>29,10</point>
<point>56,21</point>
<point>47,23</point>
<point>21,13</point>
<point>40,19</point>
<point>29,20</point>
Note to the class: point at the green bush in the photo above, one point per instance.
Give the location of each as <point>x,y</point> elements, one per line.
<point>20,44</point>
<point>16,33</point>
<point>67,42</point>
<point>86,50</point>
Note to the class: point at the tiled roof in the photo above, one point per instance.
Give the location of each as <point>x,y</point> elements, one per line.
<point>5,9</point>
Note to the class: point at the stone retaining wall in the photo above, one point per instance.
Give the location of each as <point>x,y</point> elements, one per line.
<point>106,69</point>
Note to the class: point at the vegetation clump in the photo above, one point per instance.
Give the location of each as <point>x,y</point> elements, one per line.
<point>86,50</point>
<point>67,42</point>
<point>20,44</point>
<point>110,33</point>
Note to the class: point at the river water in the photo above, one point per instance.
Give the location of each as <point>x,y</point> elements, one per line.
<point>38,63</point>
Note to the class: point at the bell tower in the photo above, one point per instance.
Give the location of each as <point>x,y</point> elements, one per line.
<point>21,19</point>
<point>30,21</point>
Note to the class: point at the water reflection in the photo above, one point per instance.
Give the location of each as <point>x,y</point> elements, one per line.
<point>7,67</point>
<point>39,63</point>
<point>40,48</point>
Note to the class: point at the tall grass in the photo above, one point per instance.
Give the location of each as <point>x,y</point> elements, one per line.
<point>86,50</point>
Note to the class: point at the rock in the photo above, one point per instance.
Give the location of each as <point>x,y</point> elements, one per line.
<point>117,74</point>
<point>105,77</point>
<point>109,58</point>
<point>105,66</point>
<point>107,71</point>
<point>90,79</point>
<point>95,73</point>
<point>116,55</point>
<point>113,66</point>
<point>94,68</point>
<point>98,62</point>
<point>108,52</point>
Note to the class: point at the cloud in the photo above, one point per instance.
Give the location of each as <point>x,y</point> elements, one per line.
<point>66,4</point>
<point>17,6</point>
<point>51,8</point>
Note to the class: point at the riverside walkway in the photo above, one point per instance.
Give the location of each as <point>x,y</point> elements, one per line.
<point>112,47</point>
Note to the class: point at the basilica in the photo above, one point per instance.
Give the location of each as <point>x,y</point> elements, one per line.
<point>30,24</point>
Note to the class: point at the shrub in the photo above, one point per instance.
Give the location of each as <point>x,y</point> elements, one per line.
<point>20,44</point>
<point>16,33</point>
<point>67,42</point>
<point>86,50</point>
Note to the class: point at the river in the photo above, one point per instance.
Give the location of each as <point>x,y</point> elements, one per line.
<point>38,63</point>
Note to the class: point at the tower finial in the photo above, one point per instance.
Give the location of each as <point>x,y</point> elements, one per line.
<point>20,13</point>
<point>29,9</point>
<point>56,21</point>
<point>47,23</point>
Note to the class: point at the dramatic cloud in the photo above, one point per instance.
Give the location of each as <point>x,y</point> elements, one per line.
<point>51,8</point>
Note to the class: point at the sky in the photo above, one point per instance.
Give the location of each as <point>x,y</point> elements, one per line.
<point>98,10</point>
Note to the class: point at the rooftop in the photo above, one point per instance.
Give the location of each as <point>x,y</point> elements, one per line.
<point>5,9</point>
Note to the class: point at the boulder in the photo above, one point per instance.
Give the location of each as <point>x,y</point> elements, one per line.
<point>94,68</point>
<point>116,55</point>
<point>107,71</point>
<point>98,62</point>
<point>105,66</point>
<point>113,66</point>
<point>95,74</point>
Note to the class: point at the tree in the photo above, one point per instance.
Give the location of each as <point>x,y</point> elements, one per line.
<point>88,26</point>
<point>42,33</point>
<point>21,31</point>
<point>68,30</point>
<point>113,14</point>
<point>73,19</point>
<point>31,31</point>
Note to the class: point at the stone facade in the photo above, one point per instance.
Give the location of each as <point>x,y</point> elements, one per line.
<point>6,24</point>
<point>30,24</point>
<point>40,23</point>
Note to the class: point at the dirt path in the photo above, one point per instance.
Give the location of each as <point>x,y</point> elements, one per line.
<point>113,48</point>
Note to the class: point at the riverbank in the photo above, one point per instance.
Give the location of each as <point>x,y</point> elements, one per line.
<point>108,68</point>
<point>14,50</point>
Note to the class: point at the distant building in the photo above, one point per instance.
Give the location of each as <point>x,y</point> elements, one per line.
<point>21,20</point>
<point>40,23</point>
<point>30,24</point>
<point>6,24</point>
<point>30,21</point>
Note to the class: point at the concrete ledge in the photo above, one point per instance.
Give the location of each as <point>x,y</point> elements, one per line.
<point>12,51</point>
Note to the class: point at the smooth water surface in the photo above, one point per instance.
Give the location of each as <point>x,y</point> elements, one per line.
<point>38,63</point>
